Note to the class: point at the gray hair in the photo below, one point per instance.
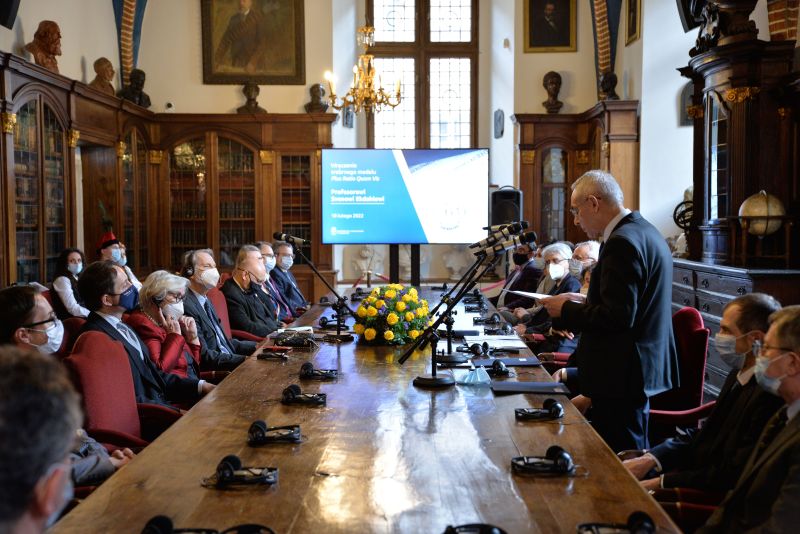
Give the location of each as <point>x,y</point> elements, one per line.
<point>560,248</point>
<point>259,244</point>
<point>786,323</point>
<point>600,184</point>
<point>241,257</point>
<point>594,248</point>
<point>278,244</point>
<point>159,283</point>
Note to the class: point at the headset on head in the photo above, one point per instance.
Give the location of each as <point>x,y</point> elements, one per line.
<point>187,271</point>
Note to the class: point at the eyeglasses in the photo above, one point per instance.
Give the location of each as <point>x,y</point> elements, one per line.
<point>51,319</point>
<point>554,261</point>
<point>574,211</point>
<point>265,256</point>
<point>759,349</point>
<point>177,296</point>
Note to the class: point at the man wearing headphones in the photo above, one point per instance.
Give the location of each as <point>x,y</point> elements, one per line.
<point>217,351</point>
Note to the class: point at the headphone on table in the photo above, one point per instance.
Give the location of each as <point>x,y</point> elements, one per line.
<point>551,409</point>
<point>474,528</point>
<point>308,372</point>
<point>162,524</point>
<point>294,395</point>
<point>638,523</point>
<point>556,461</point>
<point>230,472</point>
<point>261,434</point>
<point>498,368</point>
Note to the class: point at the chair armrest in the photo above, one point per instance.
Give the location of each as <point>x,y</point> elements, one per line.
<point>683,418</point>
<point>245,336</point>
<point>155,419</point>
<point>115,438</point>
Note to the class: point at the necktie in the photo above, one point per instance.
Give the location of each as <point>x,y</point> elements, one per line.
<point>221,341</point>
<point>284,307</point>
<point>130,337</point>
<point>771,431</point>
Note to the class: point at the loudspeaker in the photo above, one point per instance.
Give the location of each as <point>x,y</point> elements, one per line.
<point>506,206</point>
<point>8,13</point>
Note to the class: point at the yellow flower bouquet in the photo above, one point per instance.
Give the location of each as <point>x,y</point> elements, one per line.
<point>392,314</point>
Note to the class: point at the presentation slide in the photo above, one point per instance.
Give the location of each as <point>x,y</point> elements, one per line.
<point>418,196</point>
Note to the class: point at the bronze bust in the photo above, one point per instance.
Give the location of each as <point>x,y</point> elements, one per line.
<point>134,91</point>
<point>251,91</point>
<point>317,104</point>
<point>46,45</point>
<point>552,84</point>
<point>104,71</point>
<point>608,85</point>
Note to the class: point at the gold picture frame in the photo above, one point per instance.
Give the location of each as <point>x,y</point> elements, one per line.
<point>550,26</point>
<point>633,20</point>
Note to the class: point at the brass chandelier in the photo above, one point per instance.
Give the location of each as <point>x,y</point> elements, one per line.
<point>364,94</point>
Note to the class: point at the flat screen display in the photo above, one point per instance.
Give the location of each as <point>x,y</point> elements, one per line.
<point>419,196</point>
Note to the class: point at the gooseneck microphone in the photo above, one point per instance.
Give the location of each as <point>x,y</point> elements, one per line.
<point>291,239</point>
<point>504,231</point>
<point>501,248</point>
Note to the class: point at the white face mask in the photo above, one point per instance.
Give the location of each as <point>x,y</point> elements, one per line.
<point>269,263</point>
<point>210,278</point>
<point>55,335</point>
<point>172,309</point>
<point>557,271</point>
<point>286,262</point>
<point>726,346</point>
<point>75,268</point>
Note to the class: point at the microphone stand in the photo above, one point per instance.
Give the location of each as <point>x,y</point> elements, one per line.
<point>340,306</point>
<point>430,335</point>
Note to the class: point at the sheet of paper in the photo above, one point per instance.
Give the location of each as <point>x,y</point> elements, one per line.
<point>497,341</point>
<point>527,294</point>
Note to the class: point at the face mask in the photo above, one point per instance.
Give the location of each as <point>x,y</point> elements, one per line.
<point>269,264</point>
<point>286,262</point>
<point>538,262</point>
<point>519,259</point>
<point>129,299</point>
<point>257,278</point>
<point>575,267</point>
<point>123,261</point>
<point>210,278</point>
<point>116,255</point>
<point>172,309</point>
<point>769,383</point>
<point>726,346</point>
<point>55,335</point>
<point>557,271</point>
<point>67,492</point>
<point>75,268</point>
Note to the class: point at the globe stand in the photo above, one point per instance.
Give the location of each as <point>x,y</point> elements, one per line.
<point>740,244</point>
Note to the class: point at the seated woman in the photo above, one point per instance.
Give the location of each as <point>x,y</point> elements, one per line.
<point>67,301</point>
<point>170,336</point>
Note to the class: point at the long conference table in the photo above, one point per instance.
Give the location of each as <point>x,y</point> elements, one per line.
<point>382,456</point>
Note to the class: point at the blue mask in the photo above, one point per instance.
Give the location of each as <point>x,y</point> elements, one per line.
<point>129,299</point>
<point>75,268</point>
<point>116,255</point>
<point>769,383</point>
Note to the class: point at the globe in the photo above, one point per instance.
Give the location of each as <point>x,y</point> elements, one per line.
<point>766,205</point>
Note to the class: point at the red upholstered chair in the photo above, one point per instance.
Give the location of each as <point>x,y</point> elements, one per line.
<point>103,375</point>
<point>223,278</point>
<point>217,298</point>
<point>72,328</point>
<point>47,297</point>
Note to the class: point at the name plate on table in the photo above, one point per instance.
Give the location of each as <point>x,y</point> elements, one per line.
<point>529,387</point>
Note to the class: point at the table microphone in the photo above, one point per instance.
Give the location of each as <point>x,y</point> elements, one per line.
<point>291,239</point>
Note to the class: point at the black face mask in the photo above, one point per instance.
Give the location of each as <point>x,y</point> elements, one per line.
<point>519,259</point>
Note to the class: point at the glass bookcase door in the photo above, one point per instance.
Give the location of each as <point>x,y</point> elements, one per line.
<point>237,202</point>
<point>188,199</point>
<point>54,191</point>
<point>143,203</point>
<point>129,201</point>
<point>27,194</point>
<point>717,160</point>
<point>135,204</point>
<point>295,182</point>
<point>554,194</point>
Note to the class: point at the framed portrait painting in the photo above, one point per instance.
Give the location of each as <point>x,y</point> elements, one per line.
<point>633,18</point>
<point>549,25</point>
<point>253,40</point>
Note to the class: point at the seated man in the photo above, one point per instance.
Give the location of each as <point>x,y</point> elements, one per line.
<point>285,280</point>
<point>278,303</point>
<point>246,309</point>
<point>109,294</point>
<point>217,351</point>
<point>27,321</point>
<point>110,249</point>
<point>765,497</point>
<point>585,255</point>
<point>39,415</point>
<point>712,458</point>
<point>524,277</point>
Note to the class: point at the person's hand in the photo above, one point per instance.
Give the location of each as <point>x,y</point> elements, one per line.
<point>520,329</point>
<point>639,467</point>
<point>582,403</point>
<point>171,325</point>
<point>562,333</point>
<point>520,313</point>
<point>554,304</point>
<point>189,329</point>
<point>120,458</point>
<point>652,484</point>
<point>207,388</point>
<point>128,453</point>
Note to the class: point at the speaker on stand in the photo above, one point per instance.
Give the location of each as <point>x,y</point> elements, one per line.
<point>505,207</point>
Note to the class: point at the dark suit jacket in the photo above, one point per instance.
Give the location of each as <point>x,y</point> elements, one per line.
<point>767,494</point>
<point>247,311</point>
<point>626,347</point>
<point>150,384</point>
<point>713,457</point>
<point>287,285</point>
<point>541,321</point>
<point>528,281</point>
<point>211,356</point>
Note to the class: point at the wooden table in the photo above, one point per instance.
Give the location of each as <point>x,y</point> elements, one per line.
<point>383,456</point>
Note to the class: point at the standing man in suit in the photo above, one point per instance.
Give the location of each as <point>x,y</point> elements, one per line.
<point>765,497</point>
<point>217,351</point>
<point>246,309</point>
<point>524,277</point>
<point>285,280</point>
<point>109,294</point>
<point>626,353</point>
<point>712,458</point>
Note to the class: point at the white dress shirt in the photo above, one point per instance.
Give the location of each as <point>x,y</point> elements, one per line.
<point>63,287</point>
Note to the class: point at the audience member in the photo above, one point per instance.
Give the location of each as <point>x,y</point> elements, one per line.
<point>585,255</point>
<point>626,352</point>
<point>110,249</point>
<point>246,309</point>
<point>712,458</point>
<point>170,336</point>
<point>67,300</point>
<point>285,280</point>
<point>524,277</point>
<point>39,415</point>
<point>109,294</point>
<point>765,497</point>
<point>283,310</point>
<point>217,351</point>
<point>27,321</point>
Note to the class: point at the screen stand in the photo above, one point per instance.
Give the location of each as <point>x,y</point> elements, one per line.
<point>394,264</point>
<point>415,257</point>
<point>434,381</point>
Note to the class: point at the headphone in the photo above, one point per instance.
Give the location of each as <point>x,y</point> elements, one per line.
<point>328,322</point>
<point>162,524</point>
<point>556,461</point>
<point>294,395</point>
<point>492,319</point>
<point>498,368</point>
<point>188,264</point>
<point>261,434</point>
<point>638,523</point>
<point>324,300</point>
<point>550,410</point>
<point>308,372</point>
<point>230,471</point>
<point>474,528</point>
